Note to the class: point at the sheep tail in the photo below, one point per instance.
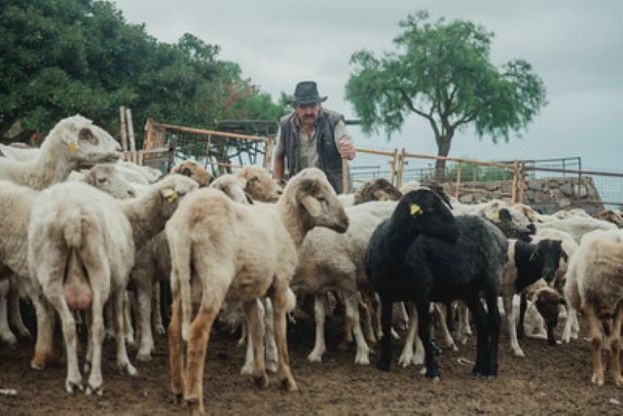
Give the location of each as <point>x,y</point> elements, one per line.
<point>180,280</point>
<point>72,227</point>
<point>291,300</point>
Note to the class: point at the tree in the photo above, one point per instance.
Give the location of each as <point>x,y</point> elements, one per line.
<point>443,73</point>
<point>58,58</point>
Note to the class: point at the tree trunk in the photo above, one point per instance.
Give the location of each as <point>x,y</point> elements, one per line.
<point>443,148</point>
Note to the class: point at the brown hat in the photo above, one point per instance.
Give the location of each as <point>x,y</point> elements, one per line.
<point>306,92</point>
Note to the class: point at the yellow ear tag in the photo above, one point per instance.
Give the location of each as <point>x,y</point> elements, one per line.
<point>170,195</point>
<point>382,198</point>
<point>415,210</point>
<point>72,147</point>
<point>495,215</point>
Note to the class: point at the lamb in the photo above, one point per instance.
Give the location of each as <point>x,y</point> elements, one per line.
<point>239,253</point>
<point>74,142</point>
<point>81,249</point>
<point>423,253</point>
<point>331,261</point>
<point>377,189</point>
<point>526,264</point>
<point>595,286</point>
<point>193,170</point>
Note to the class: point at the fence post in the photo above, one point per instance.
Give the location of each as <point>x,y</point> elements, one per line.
<point>268,153</point>
<point>402,167</point>
<point>393,168</point>
<point>522,184</point>
<point>514,182</point>
<point>128,116</point>
<point>457,185</point>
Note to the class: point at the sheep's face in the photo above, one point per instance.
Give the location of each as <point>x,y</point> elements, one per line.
<point>547,302</point>
<point>172,188</point>
<point>548,253</point>
<point>510,227</point>
<point>316,197</point>
<point>192,169</point>
<point>425,212</point>
<point>87,144</point>
<point>108,179</point>
<point>258,184</point>
<point>377,189</point>
<point>233,188</point>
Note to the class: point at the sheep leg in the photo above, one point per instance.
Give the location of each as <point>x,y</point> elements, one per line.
<point>615,348</point>
<point>272,359</point>
<point>89,355</point>
<point>464,330</point>
<point>176,358</point>
<point>320,308</point>
<point>424,321</point>
<point>94,384</point>
<point>406,356</point>
<point>128,310</point>
<point>55,294</point>
<point>255,324</point>
<point>477,310</point>
<point>385,359</point>
<point>352,315</point>
<point>44,345</point>
<point>443,325</point>
<point>109,330</point>
<point>522,313</point>
<point>249,362</point>
<point>120,304</point>
<point>367,320</point>
<point>280,303</point>
<point>378,314</point>
<point>5,332</point>
<point>243,335</point>
<point>156,314</point>
<point>144,293</point>
<point>15,314</point>
<point>512,328</point>
<point>493,331</point>
<point>348,328</point>
<point>566,332</point>
<point>596,341</point>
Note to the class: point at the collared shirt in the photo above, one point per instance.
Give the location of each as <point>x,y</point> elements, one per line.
<point>307,154</point>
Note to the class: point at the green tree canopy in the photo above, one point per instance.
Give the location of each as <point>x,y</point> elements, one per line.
<point>442,72</point>
<point>58,58</point>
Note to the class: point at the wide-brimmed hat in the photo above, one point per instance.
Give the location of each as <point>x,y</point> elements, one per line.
<point>306,92</point>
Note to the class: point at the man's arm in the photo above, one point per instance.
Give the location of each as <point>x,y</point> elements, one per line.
<point>278,160</point>
<point>344,141</point>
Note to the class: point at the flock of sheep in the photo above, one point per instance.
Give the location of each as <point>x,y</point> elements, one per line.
<point>78,226</point>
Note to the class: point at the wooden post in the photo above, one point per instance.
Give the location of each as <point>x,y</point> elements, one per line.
<point>393,163</point>
<point>401,172</point>
<point>128,116</point>
<point>124,131</point>
<point>514,182</point>
<point>268,153</point>
<point>457,185</point>
<point>522,184</point>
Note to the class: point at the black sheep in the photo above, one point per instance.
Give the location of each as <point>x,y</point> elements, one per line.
<point>432,257</point>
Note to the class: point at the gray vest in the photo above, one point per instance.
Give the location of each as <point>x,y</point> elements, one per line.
<point>329,159</point>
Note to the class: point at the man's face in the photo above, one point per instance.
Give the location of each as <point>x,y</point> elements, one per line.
<point>307,113</point>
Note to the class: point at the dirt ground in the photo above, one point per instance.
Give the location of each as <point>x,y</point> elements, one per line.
<point>551,380</point>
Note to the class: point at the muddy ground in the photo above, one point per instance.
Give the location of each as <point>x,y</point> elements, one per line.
<point>551,380</point>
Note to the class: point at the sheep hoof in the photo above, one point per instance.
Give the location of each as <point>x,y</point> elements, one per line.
<point>246,369</point>
<point>289,384</point>
<point>271,366</point>
<point>128,368</point>
<point>159,330</point>
<point>11,341</point>
<point>362,360</point>
<point>597,379</point>
<point>261,381</point>
<point>177,398</point>
<point>383,365</point>
<point>436,380</point>
<point>97,390</point>
<point>314,357</point>
<point>518,352</point>
<point>72,386</point>
<point>86,368</point>
<point>143,357</point>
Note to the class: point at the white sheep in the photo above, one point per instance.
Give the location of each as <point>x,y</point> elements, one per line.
<point>81,249</point>
<point>578,226</point>
<point>595,286</point>
<point>73,143</point>
<point>239,253</point>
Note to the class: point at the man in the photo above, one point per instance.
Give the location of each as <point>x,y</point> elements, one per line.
<point>312,136</point>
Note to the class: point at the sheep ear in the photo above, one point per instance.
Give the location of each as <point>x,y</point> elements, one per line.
<point>169,194</point>
<point>312,205</point>
<point>249,199</point>
<point>380,195</point>
<point>533,255</point>
<point>86,133</point>
<point>415,210</point>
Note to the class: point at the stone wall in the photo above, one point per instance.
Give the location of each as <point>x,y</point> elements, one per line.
<point>546,195</point>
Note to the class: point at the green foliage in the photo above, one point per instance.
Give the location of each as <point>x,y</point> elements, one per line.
<point>442,71</point>
<point>60,57</point>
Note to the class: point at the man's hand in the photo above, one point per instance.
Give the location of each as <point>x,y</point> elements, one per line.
<point>347,149</point>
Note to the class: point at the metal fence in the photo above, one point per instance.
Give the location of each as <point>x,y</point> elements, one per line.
<point>372,163</point>
<point>219,151</point>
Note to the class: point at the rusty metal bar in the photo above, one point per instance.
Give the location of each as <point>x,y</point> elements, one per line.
<point>206,132</point>
<point>454,159</point>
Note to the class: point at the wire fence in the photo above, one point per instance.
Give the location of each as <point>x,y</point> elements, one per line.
<point>546,184</point>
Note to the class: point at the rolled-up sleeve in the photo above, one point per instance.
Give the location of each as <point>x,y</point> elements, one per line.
<point>280,147</point>
<point>341,133</point>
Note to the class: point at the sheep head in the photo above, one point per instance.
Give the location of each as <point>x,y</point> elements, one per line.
<point>317,203</point>
<point>423,211</point>
<point>548,254</point>
<point>84,143</point>
<point>192,169</point>
<point>107,178</point>
<point>547,302</point>
<point>511,227</point>
<point>171,189</point>
<point>378,189</point>
<point>233,188</point>
<point>258,184</point>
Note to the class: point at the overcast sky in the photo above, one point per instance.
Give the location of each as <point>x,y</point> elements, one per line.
<point>575,46</point>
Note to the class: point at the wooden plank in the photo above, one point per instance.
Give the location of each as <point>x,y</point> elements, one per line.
<point>123,129</point>
<point>128,116</point>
